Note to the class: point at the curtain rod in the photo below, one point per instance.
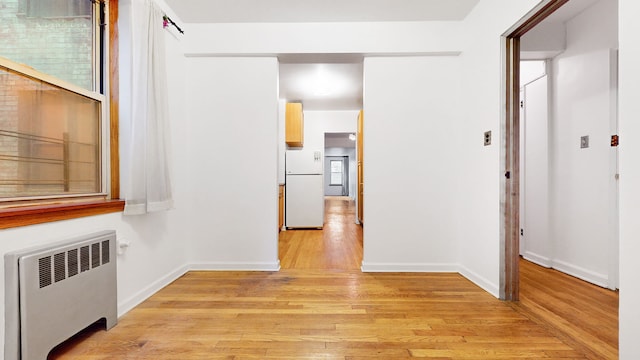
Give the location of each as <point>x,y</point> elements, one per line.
<point>167,21</point>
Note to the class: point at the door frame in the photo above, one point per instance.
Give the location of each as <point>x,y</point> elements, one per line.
<point>510,149</point>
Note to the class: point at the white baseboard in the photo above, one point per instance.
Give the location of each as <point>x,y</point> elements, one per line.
<point>567,268</point>
<point>408,267</point>
<point>142,295</point>
<point>582,273</point>
<point>485,284</point>
<point>235,266</point>
<point>538,259</point>
<point>420,267</point>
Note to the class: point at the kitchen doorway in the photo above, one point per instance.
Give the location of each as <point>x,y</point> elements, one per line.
<point>330,89</point>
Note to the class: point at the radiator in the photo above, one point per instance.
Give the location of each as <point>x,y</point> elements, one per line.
<point>53,292</point>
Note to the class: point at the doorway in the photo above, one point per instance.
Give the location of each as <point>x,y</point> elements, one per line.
<point>573,216</point>
<point>339,164</point>
<point>330,89</point>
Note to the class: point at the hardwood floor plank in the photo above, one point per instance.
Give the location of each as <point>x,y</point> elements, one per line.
<point>581,314</point>
<point>321,306</point>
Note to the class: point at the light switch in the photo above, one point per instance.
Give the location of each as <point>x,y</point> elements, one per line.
<point>584,142</point>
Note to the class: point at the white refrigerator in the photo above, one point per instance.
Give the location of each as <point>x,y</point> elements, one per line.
<point>304,190</point>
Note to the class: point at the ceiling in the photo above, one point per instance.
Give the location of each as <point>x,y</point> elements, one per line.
<point>569,10</point>
<point>271,11</point>
<point>550,41</point>
<point>329,81</point>
<point>321,85</point>
<point>339,140</point>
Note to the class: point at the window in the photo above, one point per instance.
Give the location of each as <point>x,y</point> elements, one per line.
<point>55,8</point>
<point>336,172</point>
<point>49,37</point>
<point>53,127</point>
<point>49,137</point>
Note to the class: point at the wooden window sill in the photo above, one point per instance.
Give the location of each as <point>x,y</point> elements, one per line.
<point>30,215</point>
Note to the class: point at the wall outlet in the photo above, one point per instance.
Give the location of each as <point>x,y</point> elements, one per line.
<point>487,138</point>
<point>122,245</point>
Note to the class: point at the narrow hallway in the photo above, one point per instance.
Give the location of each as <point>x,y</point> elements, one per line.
<point>337,247</point>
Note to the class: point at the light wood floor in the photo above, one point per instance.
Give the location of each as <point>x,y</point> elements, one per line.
<point>320,306</point>
<point>338,246</point>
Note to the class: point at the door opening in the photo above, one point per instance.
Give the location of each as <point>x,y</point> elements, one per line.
<point>563,170</point>
<point>510,159</point>
<point>339,164</point>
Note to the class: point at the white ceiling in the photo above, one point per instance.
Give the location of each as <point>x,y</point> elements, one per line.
<point>551,41</point>
<point>243,11</point>
<point>339,140</point>
<point>323,86</point>
<point>570,10</point>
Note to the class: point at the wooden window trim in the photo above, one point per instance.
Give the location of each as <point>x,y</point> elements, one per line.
<point>30,215</point>
<point>38,214</point>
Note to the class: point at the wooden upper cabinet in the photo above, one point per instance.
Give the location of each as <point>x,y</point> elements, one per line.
<point>294,125</point>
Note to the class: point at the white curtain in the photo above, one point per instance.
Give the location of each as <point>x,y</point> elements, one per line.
<point>148,185</point>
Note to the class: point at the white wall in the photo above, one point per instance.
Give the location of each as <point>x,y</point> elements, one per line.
<point>410,163</point>
<point>629,112</point>
<point>233,162</point>
<point>544,41</point>
<point>580,178</point>
<point>317,123</point>
<point>531,70</point>
<point>480,175</point>
<point>317,38</point>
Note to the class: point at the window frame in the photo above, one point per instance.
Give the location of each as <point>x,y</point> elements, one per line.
<point>28,72</point>
<point>37,212</point>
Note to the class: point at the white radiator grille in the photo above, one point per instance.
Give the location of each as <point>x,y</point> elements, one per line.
<point>65,264</point>
<point>40,283</point>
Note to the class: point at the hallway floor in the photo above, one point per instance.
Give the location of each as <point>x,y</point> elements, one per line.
<point>321,306</point>
<point>338,246</point>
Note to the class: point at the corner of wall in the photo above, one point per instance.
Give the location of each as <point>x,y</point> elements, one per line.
<point>128,304</point>
<point>479,280</point>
